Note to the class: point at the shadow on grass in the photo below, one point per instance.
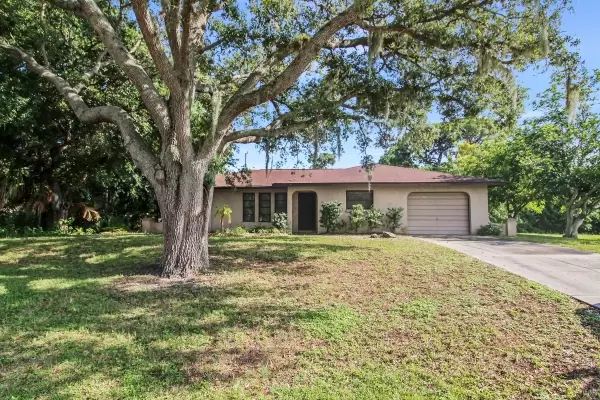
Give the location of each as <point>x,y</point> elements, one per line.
<point>280,254</point>
<point>65,323</point>
<point>590,319</point>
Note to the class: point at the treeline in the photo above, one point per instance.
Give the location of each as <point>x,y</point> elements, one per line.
<point>550,163</point>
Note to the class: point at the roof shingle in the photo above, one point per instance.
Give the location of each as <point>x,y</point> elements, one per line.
<point>381,174</point>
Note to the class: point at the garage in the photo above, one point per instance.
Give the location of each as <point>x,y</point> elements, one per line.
<point>438,213</point>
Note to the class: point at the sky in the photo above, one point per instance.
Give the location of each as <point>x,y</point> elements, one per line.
<point>581,23</point>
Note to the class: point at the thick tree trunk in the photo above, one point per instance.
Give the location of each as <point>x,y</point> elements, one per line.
<point>573,224</point>
<point>572,230</point>
<point>186,223</point>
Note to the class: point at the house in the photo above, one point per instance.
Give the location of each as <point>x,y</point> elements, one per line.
<point>433,202</point>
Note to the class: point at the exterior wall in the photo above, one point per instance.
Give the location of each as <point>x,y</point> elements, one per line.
<point>384,196</point>
<point>234,199</point>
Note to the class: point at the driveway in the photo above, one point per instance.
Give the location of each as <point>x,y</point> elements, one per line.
<point>573,272</point>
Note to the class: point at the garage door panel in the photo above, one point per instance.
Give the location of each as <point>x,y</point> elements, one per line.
<point>438,213</point>
<point>441,212</point>
<point>439,202</point>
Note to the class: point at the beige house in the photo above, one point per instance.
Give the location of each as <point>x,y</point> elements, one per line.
<point>433,202</point>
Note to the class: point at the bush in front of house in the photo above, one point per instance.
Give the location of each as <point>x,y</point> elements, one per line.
<point>373,218</point>
<point>356,217</point>
<point>280,221</point>
<point>393,217</point>
<point>490,229</point>
<point>331,211</point>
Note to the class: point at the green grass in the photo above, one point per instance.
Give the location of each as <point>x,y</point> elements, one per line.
<point>589,243</point>
<point>285,317</point>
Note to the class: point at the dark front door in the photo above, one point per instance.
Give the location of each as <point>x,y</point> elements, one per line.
<point>307,211</point>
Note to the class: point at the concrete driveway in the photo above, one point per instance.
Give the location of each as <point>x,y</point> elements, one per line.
<point>573,272</point>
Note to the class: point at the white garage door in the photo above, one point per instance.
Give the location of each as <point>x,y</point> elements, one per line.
<point>438,214</point>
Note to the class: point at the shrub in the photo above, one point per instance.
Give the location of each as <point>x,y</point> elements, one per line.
<point>280,221</point>
<point>490,229</point>
<point>238,231</point>
<point>224,212</point>
<point>264,230</point>
<point>394,218</point>
<point>373,218</point>
<point>331,212</point>
<point>66,225</point>
<point>356,218</point>
<point>112,224</point>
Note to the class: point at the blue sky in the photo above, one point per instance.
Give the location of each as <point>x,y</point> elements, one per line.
<point>583,23</point>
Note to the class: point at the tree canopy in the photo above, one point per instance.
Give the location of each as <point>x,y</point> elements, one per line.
<point>203,75</point>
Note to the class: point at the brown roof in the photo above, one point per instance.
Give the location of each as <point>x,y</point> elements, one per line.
<point>382,174</point>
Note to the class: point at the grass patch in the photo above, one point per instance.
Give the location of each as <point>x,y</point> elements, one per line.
<point>334,323</point>
<point>589,243</point>
<point>417,309</point>
<point>284,317</point>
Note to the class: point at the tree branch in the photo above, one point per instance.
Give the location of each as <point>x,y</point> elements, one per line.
<point>140,152</point>
<point>152,38</point>
<point>171,16</point>
<point>242,101</point>
<point>154,102</point>
<point>254,135</point>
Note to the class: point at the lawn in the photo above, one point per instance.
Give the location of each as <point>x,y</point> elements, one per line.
<point>286,317</point>
<point>584,242</point>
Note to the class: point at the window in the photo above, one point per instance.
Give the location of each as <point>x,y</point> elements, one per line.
<point>364,197</point>
<point>281,203</point>
<point>264,207</point>
<point>249,207</point>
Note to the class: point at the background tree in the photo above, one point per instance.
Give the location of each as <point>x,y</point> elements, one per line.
<point>567,140</point>
<point>213,73</point>
<point>432,146</point>
<point>510,158</point>
<point>51,161</point>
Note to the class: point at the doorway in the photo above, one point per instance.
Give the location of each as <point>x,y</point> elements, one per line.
<point>307,211</point>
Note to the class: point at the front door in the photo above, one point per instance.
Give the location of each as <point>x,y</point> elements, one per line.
<point>307,211</point>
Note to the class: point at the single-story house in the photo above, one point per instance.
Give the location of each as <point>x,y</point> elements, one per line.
<point>433,202</point>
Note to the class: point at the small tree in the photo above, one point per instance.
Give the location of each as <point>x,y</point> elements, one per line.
<point>280,221</point>
<point>394,218</point>
<point>331,212</point>
<point>224,212</point>
<point>373,218</point>
<point>357,217</point>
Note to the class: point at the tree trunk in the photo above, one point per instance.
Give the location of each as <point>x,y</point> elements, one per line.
<point>572,230</point>
<point>573,224</point>
<point>186,222</point>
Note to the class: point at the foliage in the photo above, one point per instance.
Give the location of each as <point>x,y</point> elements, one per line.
<point>490,229</point>
<point>356,217</point>
<point>567,143</point>
<point>510,159</point>
<point>331,211</point>
<point>265,230</point>
<point>287,76</point>
<point>322,161</point>
<point>432,146</point>
<point>224,212</point>
<point>373,218</point>
<point>393,218</point>
<point>280,221</point>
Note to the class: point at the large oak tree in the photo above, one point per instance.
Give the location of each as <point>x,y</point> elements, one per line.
<point>213,73</point>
